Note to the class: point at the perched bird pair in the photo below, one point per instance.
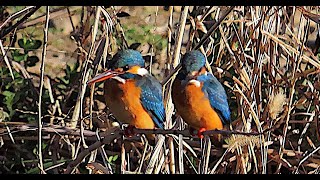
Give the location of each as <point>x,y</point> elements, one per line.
<point>135,97</point>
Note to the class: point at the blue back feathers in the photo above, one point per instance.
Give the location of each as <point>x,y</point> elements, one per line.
<point>216,94</point>
<point>151,98</point>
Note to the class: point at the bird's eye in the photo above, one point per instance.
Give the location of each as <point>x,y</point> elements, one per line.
<point>126,68</point>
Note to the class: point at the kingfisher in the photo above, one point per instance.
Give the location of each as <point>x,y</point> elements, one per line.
<point>199,98</point>
<point>133,95</point>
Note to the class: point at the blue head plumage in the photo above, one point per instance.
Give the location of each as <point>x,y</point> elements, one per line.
<point>128,58</point>
<point>193,61</point>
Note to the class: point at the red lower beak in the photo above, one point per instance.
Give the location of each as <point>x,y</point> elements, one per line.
<point>103,76</point>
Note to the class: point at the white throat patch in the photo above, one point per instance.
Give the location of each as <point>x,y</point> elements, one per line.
<point>142,71</point>
<point>195,82</point>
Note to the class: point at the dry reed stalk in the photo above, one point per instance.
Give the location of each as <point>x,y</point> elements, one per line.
<point>92,159</point>
<point>161,162</point>
<point>257,52</point>
<point>16,15</point>
<point>6,31</point>
<point>205,154</point>
<point>109,137</point>
<point>188,147</point>
<point>170,26</point>
<point>10,134</point>
<point>294,80</point>
<point>142,158</point>
<point>98,53</point>
<point>213,28</point>
<point>305,158</point>
<point>85,76</point>
<point>155,154</point>
<point>168,100</point>
<point>289,49</point>
<point>44,52</point>
<point>54,14</point>
<point>103,153</point>
<point>6,60</point>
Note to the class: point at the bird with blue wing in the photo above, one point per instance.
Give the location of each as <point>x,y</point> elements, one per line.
<point>133,96</point>
<point>199,98</point>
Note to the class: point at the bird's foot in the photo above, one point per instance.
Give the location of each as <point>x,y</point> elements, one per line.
<point>129,131</point>
<point>200,135</point>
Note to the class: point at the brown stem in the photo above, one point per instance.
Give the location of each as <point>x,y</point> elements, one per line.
<point>213,28</point>
<point>11,28</point>
<point>108,138</point>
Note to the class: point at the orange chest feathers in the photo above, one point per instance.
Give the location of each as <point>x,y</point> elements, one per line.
<point>123,99</point>
<point>194,107</point>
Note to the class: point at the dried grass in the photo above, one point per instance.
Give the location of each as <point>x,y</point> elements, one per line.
<point>263,56</point>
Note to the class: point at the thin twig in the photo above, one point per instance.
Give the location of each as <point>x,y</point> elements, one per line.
<point>186,132</point>
<point>9,29</point>
<point>44,52</point>
<point>306,157</point>
<point>55,13</point>
<point>10,135</point>
<point>213,28</point>
<point>293,83</point>
<point>62,130</point>
<point>15,15</point>
<point>70,18</point>
<point>6,60</point>
<point>111,135</point>
<point>104,155</point>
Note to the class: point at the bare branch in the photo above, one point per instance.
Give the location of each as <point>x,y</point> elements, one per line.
<point>110,136</point>
<point>16,15</point>
<point>44,52</point>
<point>213,28</point>
<point>9,29</point>
<point>6,60</point>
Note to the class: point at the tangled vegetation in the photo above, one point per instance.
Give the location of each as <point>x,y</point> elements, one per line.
<point>267,58</point>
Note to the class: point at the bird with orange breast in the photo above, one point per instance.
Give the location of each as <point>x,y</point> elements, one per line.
<point>199,98</point>
<point>133,96</point>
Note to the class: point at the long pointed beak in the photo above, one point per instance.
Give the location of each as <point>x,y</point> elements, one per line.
<point>103,76</point>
